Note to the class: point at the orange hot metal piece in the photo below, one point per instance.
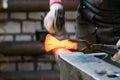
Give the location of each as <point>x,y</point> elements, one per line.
<point>52,43</point>
<point>58,51</point>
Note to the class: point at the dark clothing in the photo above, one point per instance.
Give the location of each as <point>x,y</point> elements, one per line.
<point>98,21</point>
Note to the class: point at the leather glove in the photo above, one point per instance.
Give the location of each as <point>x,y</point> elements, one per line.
<point>116,57</point>
<point>49,19</point>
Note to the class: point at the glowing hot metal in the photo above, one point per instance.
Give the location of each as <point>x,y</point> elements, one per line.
<point>52,43</point>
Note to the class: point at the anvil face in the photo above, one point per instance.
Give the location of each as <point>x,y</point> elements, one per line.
<point>79,66</point>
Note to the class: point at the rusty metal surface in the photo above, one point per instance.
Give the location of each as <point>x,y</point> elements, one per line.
<point>37,5</point>
<point>22,48</point>
<point>92,67</point>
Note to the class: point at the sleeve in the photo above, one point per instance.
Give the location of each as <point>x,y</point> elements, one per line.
<point>55,1</point>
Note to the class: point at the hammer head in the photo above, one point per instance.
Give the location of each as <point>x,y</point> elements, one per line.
<point>59,21</point>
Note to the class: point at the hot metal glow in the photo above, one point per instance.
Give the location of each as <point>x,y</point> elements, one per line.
<point>58,51</point>
<point>52,43</point>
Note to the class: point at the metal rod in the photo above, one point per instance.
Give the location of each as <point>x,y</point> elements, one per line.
<point>22,48</point>
<point>37,5</point>
<point>31,75</point>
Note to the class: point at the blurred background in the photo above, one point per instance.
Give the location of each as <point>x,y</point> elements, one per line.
<point>22,34</point>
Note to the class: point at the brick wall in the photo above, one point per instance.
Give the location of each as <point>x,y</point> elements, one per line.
<point>21,26</point>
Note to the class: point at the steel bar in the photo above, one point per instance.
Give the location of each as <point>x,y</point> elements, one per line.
<point>28,61</point>
<point>31,75</point>
<point>22,48</point>
<point>37,5</point>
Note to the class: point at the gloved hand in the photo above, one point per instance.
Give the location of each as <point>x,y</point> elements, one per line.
<point>116,57</point>
<point>49,19</point>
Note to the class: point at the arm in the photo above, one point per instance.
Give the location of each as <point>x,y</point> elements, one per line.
<point>55,1</point>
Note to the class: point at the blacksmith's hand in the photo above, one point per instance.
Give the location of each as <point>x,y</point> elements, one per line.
<point>116,57</point>
<point>49,19</point>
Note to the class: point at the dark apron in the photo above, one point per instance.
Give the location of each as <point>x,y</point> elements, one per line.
<point>98,21</point>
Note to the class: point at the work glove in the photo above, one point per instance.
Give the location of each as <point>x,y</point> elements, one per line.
<point>116,57</point>
<point>49,19</point>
